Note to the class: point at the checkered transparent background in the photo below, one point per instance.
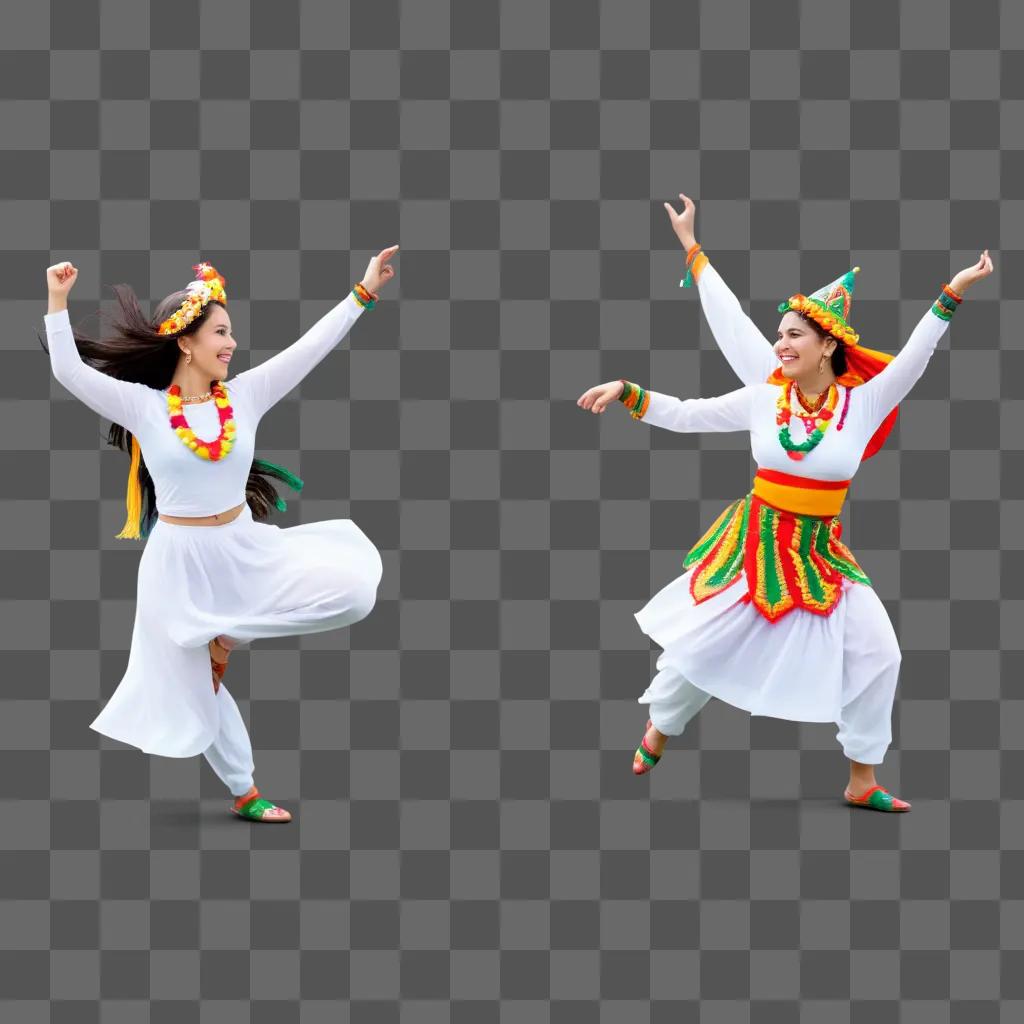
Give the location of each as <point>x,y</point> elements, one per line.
<point>469,843</point>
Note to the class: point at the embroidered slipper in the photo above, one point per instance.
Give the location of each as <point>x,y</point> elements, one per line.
<point>255,808</point>
<point>644,759</point>
<point>877,799</point>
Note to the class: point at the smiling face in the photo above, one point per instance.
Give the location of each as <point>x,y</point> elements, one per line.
<point>800,346</point>
<point>211,344</point>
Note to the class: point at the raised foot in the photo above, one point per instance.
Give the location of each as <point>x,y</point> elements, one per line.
<point>220,649</point>
<point>648,754</point>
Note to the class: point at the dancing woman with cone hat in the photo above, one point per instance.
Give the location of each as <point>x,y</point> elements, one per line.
<point>773,614</point>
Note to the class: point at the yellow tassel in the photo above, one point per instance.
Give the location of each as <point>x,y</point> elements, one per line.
<point>132,524</point>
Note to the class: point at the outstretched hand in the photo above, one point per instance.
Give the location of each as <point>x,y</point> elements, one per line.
<point>596,399</point>
<point>379,271</point>
<point>682,223</point>
<point>973,274</point>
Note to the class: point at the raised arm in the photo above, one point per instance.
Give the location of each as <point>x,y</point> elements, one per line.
<point>745,348</point>
<point>269,382</point>
<point>887,389</point>
<point>119,400</point>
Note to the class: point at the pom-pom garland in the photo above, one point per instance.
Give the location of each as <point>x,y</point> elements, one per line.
<point>815,424</point>
<point>211,450</point>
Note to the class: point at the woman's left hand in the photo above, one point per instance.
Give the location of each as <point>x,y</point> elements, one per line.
<point>379,271</point>
<point>682,223</point>
<point>972,275</point>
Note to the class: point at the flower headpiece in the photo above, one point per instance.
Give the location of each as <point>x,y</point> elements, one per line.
<point>208,285</point>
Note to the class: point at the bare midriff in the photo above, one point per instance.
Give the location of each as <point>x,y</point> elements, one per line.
<point>217,519</point>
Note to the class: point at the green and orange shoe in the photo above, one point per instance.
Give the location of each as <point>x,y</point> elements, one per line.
<point>255,808</point>
<point>644,759</point>
<point>877,799</point>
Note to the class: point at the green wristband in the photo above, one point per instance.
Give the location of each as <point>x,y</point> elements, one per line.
<point>641,402</point>
<point>362,302</point>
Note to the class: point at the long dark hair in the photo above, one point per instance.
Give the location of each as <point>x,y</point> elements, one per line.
<point>132,350</point>
<point>838,357</point>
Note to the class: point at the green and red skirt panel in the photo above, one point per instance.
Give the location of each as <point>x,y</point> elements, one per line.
<point>790,561</point>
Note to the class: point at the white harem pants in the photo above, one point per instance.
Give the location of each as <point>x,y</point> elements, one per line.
<point>871,664</point>
<point>230,754</point>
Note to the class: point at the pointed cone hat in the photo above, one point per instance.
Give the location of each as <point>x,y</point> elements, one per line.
<point>835,298</point>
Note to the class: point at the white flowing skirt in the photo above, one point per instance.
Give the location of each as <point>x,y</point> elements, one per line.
<point>803,667</point>
<point>247,579</point>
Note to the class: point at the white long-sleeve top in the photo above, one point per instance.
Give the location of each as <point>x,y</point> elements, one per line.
<point>753,407</point>
<point>185,484</point>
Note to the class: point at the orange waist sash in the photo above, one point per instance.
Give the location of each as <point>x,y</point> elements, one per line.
<point>799,495</point>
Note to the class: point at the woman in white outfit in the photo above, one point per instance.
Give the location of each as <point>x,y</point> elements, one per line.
<point>212,575</point>
<point>773,614</point>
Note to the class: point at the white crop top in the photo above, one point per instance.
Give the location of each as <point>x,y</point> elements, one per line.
<point>185,484</point>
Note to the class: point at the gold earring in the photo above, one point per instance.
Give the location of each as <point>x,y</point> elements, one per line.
<point>188,358</point>
<point>821,365</point>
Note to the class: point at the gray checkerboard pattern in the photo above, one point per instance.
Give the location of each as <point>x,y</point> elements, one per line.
<point>470,843</point>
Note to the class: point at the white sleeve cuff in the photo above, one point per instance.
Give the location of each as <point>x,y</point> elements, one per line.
<point>57,320</point>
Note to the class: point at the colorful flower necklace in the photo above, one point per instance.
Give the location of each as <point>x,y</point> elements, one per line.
<point>211,450</point>
<point>815,423</point>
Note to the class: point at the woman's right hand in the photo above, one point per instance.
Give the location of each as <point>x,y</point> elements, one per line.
<point>60,279</point>
<point>682,223</point>
<point>597,398</point>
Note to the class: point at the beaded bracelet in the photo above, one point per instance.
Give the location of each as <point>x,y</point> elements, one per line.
<point>946,304</point>
<point>695,259</point>
<point>364,296</point>
<point>634,398</point>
